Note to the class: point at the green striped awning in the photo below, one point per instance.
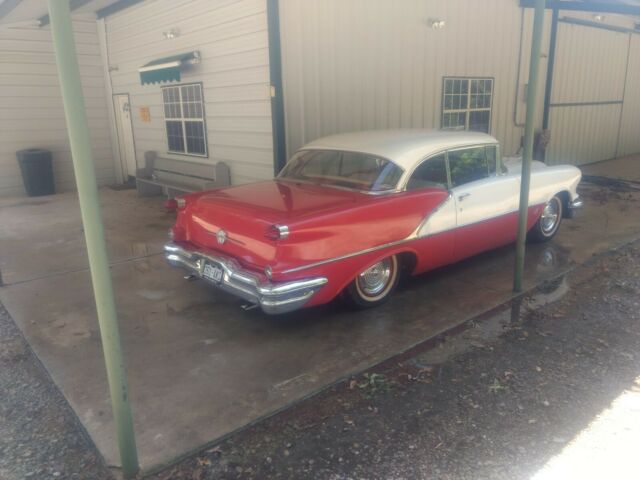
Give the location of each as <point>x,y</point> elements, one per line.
<point>167,69</point>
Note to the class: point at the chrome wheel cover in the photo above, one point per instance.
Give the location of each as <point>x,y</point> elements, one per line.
<point>550,216</point>
<point>376,279</point>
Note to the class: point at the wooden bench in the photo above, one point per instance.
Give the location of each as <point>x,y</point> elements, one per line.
<point>164,176</point>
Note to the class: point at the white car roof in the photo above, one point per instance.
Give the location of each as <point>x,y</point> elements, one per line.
<point>404,147</point>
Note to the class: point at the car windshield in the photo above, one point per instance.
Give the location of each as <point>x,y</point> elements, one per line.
<point>359,171</point>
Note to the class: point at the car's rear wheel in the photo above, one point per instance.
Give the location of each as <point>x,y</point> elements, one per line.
<point>549,222</point>
<point>374,285</point>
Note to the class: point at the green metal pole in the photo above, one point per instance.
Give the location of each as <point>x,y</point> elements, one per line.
<point>536,41</point>
<point>69,73</point>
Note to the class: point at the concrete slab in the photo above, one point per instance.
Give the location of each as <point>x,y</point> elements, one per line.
<point>624,168</point>
<point>43,236</point>
<point>200,367</point>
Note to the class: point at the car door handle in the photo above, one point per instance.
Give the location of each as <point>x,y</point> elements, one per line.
<point>462,196</point>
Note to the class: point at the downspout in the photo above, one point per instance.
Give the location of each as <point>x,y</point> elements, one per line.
<point>551,63</point>
<point>276,91</point>
<point>517,95</point>
<point>534,66</point>
<point>113,133</point>
<point>84,170</point>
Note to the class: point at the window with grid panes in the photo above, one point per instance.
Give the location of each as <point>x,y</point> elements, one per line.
<point>184,119</point>
<point>466,104</point>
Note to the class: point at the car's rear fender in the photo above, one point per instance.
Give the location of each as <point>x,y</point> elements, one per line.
<point>368,226</point>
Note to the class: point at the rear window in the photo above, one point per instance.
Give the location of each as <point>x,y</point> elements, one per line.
<point>359,171</point>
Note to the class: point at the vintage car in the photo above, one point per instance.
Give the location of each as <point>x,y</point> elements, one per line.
<point>349,213</point>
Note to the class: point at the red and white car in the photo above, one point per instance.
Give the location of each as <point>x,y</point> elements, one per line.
<point>349,213</point>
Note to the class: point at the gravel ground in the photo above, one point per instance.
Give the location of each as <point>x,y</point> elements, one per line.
<point>40,437</point>
<point>496,399</point>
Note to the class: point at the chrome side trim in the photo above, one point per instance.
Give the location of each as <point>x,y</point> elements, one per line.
<point>272,297</point>
<point>411,237</point>
<point>414,236</point>
<point>349,255</point>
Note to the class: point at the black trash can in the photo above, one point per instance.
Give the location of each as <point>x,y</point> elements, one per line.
<point>37,171</point>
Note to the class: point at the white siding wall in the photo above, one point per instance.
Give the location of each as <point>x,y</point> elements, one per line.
<point>590,66</point>
<point>31,111</point>
<point>232,38</point>
<point>630,125</point>
<point>371,64</point>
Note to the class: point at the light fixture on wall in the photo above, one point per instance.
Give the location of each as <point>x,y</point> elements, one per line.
<point>599,17</point>
<point>436,23</point>
<point>169,34</point>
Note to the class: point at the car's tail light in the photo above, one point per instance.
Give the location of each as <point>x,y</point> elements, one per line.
<point>277,232</point>
<point>177,203</point>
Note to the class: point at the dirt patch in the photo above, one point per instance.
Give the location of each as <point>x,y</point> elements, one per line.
<point>40,436</point>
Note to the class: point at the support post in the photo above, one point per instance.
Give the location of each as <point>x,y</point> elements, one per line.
<point>83,167</point>
<point>532,93</point>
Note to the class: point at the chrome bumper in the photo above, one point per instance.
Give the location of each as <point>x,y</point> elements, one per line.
<point>577,203</point>
<point>574,205</point>
<point>273,298</point>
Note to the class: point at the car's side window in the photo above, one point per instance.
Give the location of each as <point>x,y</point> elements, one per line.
<point>492,159</point>
<point>468,165</point>
<point>431,173</point>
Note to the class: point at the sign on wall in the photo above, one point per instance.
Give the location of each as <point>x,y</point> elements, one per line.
<point>145,114</point>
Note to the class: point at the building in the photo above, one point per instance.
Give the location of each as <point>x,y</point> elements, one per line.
<point>246,82</point>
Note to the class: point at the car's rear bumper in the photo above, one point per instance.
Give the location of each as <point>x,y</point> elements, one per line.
<point>272,297</point>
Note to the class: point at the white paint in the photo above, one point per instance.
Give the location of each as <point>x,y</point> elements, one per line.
<point>232,39</point>
<point>499,195</point>
<point>113,134</point>
<point>441,220</point>
<point>124,131</point>
<point>31,110</point>
<point>590,66</point>
<point>404,147</point>
<point>487,198</point>
<point>629,141</point>
<point>352,65</point>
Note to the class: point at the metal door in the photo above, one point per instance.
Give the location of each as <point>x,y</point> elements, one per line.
<point>589,75</point>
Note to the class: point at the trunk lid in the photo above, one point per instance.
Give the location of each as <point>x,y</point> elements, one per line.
<point>246,212</point>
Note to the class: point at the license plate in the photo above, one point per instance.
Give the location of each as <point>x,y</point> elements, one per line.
<point>212,272</point>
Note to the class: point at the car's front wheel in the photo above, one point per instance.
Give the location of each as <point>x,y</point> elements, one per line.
<point>374,285</point>
<point>549,222</point>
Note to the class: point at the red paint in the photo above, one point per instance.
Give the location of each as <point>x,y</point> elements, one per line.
<point>326,223</point>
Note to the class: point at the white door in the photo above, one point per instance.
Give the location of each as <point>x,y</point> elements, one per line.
<point>483,200</point>
<point>124,130</point>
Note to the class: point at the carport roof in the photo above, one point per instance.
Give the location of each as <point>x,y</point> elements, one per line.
<point>625,7</point>
<point>37,12</point>
<point>26,11</point>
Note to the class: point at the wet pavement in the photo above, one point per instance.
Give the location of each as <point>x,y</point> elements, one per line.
<point>199,366</point>
<point>624,168</point>
<point>544,387</point>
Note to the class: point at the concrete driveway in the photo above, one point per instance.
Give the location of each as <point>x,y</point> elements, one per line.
<point>199,366</point>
